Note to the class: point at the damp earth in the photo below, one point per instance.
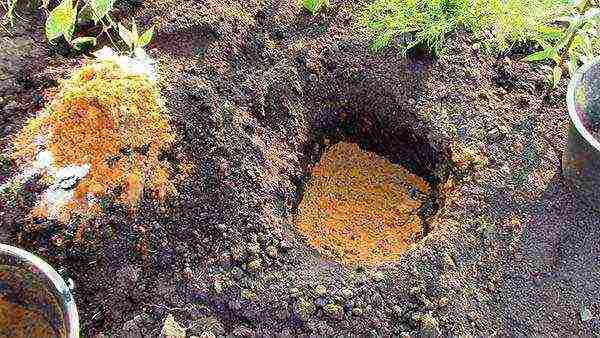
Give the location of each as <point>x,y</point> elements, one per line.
<point>308,186</point>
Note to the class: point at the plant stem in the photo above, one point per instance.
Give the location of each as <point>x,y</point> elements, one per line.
<point>105,30</point>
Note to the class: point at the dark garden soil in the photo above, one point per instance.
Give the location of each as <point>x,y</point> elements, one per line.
<point>254,87</point>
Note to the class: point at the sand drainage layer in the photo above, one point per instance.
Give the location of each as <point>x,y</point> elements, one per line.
<point>359,208</point>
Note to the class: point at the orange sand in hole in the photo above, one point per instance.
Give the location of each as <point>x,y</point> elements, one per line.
<point>360,208</point>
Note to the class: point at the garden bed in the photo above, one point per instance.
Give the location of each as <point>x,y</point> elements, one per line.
<point>255,90</point>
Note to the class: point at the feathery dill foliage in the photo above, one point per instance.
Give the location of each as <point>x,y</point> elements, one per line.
<point>502,24</point>
<point>416,22</point>
<point>426,23</point>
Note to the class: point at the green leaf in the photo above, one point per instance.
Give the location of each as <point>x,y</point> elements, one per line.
<point>102,8</point>
<point>381,41</point>
<point>312,5</point>
<point>544,43</point>
<point>556,75</point>
<point>81,42</point>
<point>61,21</point>
<point>576,43</point>
<point>587,44</point>
<point>552,33</point>
<point>10,11</point>
<point>68,32</point>
<point>546,54</point>
<point>86,14</point>
<point>146,37</point>
<point>571,31</point>
<point>125,35</point>
<point>53,28</point>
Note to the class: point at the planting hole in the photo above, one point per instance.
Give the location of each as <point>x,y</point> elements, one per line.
<point>371,192</point>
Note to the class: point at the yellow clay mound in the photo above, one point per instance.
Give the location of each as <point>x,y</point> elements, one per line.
<point>359,208</point>
<point>112,121</point>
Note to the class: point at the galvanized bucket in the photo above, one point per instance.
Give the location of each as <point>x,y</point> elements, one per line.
<point>34,300</point>
<point>581,159</point>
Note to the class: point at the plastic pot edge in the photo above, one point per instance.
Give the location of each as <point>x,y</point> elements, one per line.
<point>573,115</point>
<point>55,278</point>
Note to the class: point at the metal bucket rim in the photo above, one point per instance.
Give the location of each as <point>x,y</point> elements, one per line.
<point>575,119</point>
<point>55,279</point>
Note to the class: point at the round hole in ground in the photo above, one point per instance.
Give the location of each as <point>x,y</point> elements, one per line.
<point>371,188</point>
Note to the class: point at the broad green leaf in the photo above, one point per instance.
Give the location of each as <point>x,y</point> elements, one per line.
<point>80,42</point>
<point>312,5</point>
<point>125,35</point>
<point>61,20</point>
<point>101,8</point>
<point>146,37</point>
<point>546,54</point>
<point>68,32</point>
<point>556,75</point>
<point>53,28</point>
<point>576,43</point>
<point>552,33</point>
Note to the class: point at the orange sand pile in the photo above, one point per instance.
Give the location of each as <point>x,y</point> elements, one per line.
<point>360,208</point>
<point>112,121</point>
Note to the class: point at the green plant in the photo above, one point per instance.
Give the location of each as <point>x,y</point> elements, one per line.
<point>9,17</point>
<point>133,39</point>
<point>501,24</point>
<point>498,24</point>
<point>313,6</point>
<point>62,20</point>
<point>417,22</point>
<point>576,45</point>
<point>5,164</point>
